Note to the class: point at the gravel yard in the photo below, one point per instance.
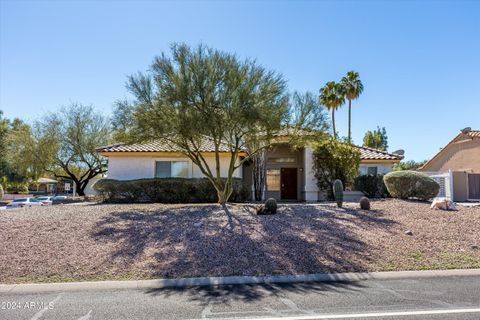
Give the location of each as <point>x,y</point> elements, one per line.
<point>103,241</point>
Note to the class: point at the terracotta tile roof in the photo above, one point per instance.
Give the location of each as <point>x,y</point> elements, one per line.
<point>160,146</point>
<point>473,134</point>
<point>367,153</point>
<point>207,146</point>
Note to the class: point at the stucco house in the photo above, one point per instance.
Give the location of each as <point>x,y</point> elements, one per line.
<point>289,171</point>
<point>457,166</point>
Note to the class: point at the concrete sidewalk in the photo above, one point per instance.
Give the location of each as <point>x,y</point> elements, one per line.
<point>212,281</point>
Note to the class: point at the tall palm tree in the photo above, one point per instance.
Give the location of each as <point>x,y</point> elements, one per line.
<point>332,96</point>
<point>353,88</point>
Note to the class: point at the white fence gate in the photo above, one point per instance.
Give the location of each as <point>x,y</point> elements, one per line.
<point>445,180</point>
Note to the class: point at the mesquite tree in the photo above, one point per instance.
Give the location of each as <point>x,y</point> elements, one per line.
<point>65,143</point>
<point>199,93</point>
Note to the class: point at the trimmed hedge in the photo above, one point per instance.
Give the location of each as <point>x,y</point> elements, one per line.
<point>371,185</point>
<point>411,184</point>
<point>166,190</point>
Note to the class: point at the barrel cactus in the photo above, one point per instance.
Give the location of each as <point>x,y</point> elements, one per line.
<point>364,203</point>
<point>338,192</point>
<point>271,206</point>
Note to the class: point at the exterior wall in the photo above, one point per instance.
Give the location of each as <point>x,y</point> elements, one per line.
<point>89,188</point>
<point>460,189</point>
<point>310,189</point>
<point>247,176</point>
<point>283,150</point>
<point>382,167</point>
<point>141,167</point>
<point>462,155</point>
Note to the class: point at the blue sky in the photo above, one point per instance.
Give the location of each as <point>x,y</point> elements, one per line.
<point>419,60</point>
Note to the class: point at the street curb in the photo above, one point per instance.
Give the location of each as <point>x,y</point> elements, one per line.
<point>211,281</point>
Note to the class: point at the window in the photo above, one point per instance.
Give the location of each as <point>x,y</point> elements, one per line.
<point>368,170</point>
<point>283,160</point>
<point>372,170</point>
<point>171,169</point>
<point>273,180</point>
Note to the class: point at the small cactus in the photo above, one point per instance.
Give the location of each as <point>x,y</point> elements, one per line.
<point>338,192</point>
<point>271,206</point>
<point>364,203</point>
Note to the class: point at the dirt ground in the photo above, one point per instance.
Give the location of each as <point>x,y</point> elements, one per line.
<point>107,241</point>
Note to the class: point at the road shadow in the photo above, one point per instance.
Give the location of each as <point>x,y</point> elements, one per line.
<point>195,241</point>
<point>252,292</point>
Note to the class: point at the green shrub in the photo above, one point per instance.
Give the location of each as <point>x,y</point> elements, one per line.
<point>411,184</point>
<point>17,188</point>
<point>334,160</point>
<point>371,185</point>
<point>166,190</point>
<point>1,192</point>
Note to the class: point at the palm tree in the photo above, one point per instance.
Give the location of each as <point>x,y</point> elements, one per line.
<point>352,87</point>
<point>332,96</point>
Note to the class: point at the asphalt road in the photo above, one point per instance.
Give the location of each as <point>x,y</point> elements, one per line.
<point>422,298</point>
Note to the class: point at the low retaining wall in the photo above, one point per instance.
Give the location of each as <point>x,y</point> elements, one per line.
<point>11,196</point>
<point>352,196</point>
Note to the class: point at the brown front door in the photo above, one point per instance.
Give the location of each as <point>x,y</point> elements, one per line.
<point>288,181</point>
<point>474,186</point>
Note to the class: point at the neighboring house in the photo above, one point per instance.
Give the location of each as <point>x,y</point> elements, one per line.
<point>457,167</point>
<point>373,161</point>
<point>289,171</point>
<point>43,185</point>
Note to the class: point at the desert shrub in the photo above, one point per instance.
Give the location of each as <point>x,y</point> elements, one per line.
<point>17,188</point>
<point>334,160</point>
<point>371,185</point>
<point>411,184</point>
<point>165,190</point>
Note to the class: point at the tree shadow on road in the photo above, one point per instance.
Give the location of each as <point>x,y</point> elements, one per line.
<point>252,292</point>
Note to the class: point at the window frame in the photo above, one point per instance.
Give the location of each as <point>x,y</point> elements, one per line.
<point>171,161</point>
<point>364,169</point>
<point>279,180</point>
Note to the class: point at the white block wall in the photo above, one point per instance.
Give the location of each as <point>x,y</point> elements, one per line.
<point>141,167</point>
<point>311,189</point>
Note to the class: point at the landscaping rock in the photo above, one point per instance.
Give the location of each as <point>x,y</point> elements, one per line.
<point>142,241</point>
<point>197,224</point>
<point>442,204</point>
<point>409,232</point>
<point>261,210</point>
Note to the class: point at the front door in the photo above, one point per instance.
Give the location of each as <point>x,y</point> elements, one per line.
<point>288,181</point>
<point>474,186</point>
